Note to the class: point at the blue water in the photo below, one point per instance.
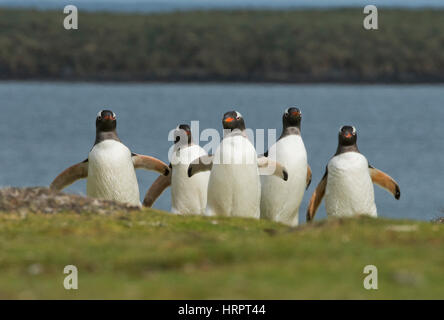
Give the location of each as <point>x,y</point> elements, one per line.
<point>171,5</point>
<point>46,127</point>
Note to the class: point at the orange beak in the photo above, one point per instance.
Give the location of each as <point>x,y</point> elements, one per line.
<point>295,113</point>
<point>108,117</point>
<point>348,135</point>
<point>229,119</point>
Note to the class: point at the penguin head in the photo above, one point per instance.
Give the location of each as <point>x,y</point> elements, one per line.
<point>292,117</point>
<point>106,120</point>
<point>348,136</point>
<point>233,120</point>
<point>182,134</point>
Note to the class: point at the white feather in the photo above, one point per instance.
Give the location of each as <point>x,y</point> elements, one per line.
<point>281,199</point>
<point>234,186</point>
<point>188,195</point>
<point>111,173</point>
<point>349,190</point>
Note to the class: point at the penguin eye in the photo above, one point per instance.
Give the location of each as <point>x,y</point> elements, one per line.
<point>114,115</point>
<point>286,111</point>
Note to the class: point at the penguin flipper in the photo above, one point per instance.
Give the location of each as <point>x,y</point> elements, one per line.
<point>204,163</point>
<point>70,175</point>
<point>156,189</point>
<point>309,176</point>
<point>270,167</point>
<point>316,198</point>
<point>385,181</point>
<point>150,163</point>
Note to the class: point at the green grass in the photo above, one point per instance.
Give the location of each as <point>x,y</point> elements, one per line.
<point>278,46</point>
<point>156,255</point>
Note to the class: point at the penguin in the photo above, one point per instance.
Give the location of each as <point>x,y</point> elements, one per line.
<point>188,195</point>
<point>280,200</point>
<point>234,187</point>
<point>110,166</point>
<point>347,182</point>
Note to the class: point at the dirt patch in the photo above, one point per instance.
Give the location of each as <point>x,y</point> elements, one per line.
<point>44,200</point>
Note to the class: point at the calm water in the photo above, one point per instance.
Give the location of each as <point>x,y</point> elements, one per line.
<point>45,127</point>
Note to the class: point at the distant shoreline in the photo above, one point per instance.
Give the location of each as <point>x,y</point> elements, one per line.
<point>217,81</point>
<point>301,47</point>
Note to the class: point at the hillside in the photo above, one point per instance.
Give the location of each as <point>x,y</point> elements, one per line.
<point>274,46</point>
<point>156,255</point>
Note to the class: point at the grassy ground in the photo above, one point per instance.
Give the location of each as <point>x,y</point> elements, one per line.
<point>151,254</point>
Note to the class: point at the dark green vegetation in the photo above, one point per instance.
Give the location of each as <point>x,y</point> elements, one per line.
<point>152,254</point>
<point>294,46</point>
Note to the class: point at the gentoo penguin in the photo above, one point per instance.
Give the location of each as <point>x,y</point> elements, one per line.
<point>280,200</point>
<point>234,188</point>
<point>347,182</point>
<point>110,166</point>
<point>188,195</point>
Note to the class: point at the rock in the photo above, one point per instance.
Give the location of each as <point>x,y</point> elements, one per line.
<point>408,278</point>
<point>402,228</point>
<point>438,220</point>
<point>44,200</point>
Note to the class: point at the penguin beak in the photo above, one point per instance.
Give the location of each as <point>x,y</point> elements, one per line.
<point>108,117</point>
<point>348,135</point>
<point>296,113</point>
<point>230,119</point>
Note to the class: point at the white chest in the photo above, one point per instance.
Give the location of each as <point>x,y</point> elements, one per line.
<point>234,186</point>
<point>290,152</point>
<point>111,173</point>
<point>188,195</point>
<point>280,199</point>
<point>349,190</point>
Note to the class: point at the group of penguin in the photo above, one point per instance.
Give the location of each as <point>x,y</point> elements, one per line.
<point>241,185</point>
